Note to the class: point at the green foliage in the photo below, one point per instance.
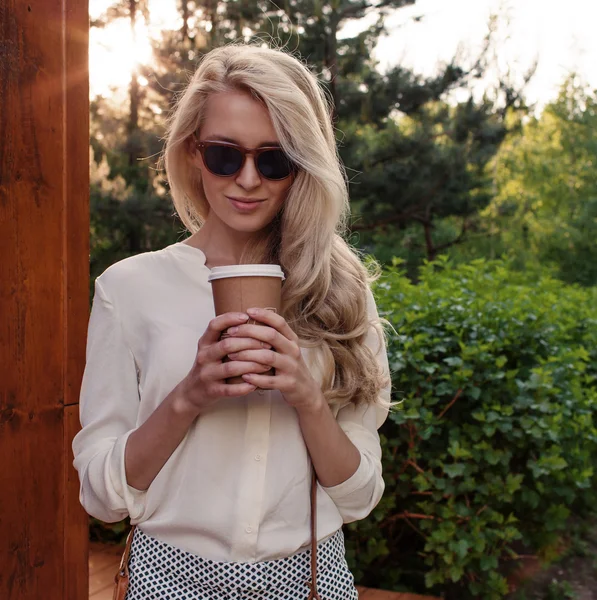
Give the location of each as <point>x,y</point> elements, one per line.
<point>109,532</point>
<point>427,165</point>
<point>545,205</point>
<point>560,590</point>
<point>495,441</point>
<point>125,221</point>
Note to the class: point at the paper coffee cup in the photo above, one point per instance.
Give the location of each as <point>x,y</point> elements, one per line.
<point>239,287</point>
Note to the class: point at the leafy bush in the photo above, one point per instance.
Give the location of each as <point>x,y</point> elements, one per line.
<point>495,442</point>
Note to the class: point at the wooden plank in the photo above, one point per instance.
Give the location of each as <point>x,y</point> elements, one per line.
<point>75,282</point>
<point>40,357</point>
<point>76,199</point>
<point>31,518</point>
<point>374,594</point>
<point>103,564</point>
<point>31,336</point>
<point>98,562</point>
<point>76,534</point>
<point>104,594</point>
<point>101,579</point>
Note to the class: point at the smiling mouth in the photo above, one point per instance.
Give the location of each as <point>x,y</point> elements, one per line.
<point>245,205</point>
<point>245,200</point>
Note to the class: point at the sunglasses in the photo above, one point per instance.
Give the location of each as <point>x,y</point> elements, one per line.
<point>226,159</point>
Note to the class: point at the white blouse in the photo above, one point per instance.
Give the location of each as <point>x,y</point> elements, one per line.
<point>237,487</point>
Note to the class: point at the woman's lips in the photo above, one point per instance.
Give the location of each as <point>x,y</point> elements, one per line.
<point>245,205</point>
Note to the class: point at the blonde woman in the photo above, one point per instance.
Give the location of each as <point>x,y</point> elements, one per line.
<point>217,476</point>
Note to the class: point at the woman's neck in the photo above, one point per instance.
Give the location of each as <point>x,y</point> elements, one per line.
<point>221,245</point>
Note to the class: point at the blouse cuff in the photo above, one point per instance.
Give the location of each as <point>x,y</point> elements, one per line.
<point>134,499</point>
<point>355,482</point>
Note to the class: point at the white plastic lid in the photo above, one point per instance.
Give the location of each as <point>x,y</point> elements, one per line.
<point>246,271</point>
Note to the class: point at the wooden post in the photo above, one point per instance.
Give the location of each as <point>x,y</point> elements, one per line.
<point>44,266</point>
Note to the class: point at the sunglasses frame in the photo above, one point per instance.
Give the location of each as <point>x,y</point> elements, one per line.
<point>254,152</point>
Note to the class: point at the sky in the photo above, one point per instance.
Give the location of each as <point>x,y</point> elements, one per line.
<point>559,34</point>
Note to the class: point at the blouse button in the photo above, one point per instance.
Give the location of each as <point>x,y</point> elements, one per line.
<point>249,530</point>
<point>261,391</point>
<point>258,457</point>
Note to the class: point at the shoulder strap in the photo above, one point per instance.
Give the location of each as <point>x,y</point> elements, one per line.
<point>121,578</point>
<point>123,570</point>
<point>313,595</point>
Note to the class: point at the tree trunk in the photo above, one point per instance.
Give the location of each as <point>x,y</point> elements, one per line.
<point>431,250</point>
<point>184,31</point>
<point>133,124</point>
<point>211,8</point>
<point>331,59</point>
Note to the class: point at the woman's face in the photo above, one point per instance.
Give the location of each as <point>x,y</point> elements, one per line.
<point>237,117</point>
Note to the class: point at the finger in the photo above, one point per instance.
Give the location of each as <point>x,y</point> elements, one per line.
<point>273,319</point>
<point>216,352</point>
<point>264,357</point>
<point>234,368</point>
<point>221,323</point>
<point>234,389</point>
<point>265,382</point>
<point>267,334</point>
<point>218,371</point>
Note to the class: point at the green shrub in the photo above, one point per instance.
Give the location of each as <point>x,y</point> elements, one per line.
<point>495,442</point>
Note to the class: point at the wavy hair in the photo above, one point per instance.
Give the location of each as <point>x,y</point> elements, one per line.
<point>326,292</point>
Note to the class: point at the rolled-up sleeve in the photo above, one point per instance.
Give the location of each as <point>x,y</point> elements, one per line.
<point>109,404</point>
<point>356,497</point>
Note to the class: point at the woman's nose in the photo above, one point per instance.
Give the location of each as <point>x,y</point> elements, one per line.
<point>249,177</point>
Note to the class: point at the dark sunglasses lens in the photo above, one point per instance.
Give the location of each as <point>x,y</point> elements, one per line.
<point>222,160</point>
<point>274,164</point>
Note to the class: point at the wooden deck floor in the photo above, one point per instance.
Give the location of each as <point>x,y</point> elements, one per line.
<point>104,559</point>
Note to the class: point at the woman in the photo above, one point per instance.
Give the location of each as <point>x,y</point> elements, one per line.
<point>217,476</point>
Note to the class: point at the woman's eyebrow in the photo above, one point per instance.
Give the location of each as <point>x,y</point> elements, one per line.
<point>223,138</point>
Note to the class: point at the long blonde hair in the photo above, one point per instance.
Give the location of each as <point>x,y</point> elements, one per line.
<point>325,296</point>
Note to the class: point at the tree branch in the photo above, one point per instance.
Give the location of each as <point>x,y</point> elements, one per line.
<point>398,218</point>
<point>458,240</point>
<point>456,396</point>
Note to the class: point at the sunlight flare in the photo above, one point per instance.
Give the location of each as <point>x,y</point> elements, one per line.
<point>114,53</point>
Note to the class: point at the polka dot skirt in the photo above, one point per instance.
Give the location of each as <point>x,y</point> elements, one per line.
<point>159,571</point>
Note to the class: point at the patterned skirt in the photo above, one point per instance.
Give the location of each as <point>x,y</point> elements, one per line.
<point>159,571</point>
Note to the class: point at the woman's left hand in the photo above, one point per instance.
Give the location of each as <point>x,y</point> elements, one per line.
<point>292,376</point>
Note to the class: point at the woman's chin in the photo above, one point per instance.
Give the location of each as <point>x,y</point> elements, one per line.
<point>247,226</point>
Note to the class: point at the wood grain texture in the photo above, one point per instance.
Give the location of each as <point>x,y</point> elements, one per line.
<point>76,225</point>
<point>75,284</point>
<point>76,533</point>
<point>374,594</point>
<point>40,348</point>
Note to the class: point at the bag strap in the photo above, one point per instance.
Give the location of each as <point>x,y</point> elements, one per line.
<point>313,595</point>
<point>123,569</point>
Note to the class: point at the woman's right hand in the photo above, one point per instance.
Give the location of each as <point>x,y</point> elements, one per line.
<point>205,383</point>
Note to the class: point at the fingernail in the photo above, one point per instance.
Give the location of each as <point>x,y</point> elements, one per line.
<point>253,311</point>
<point>233,356</point>
<point>243,317</point>
<point>232,330</point>
<point>265,345</point>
